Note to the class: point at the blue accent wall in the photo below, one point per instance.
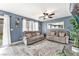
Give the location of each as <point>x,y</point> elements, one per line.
<point>44,27</point>
<point>67,24</point>
<point>17,32</point>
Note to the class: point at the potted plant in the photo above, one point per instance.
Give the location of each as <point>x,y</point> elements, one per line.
<point>74,33</point>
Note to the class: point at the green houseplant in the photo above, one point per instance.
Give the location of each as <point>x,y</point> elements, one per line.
<point>75,32</point>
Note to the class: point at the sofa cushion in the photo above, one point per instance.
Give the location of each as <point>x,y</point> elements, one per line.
<point>53,33</point>
<point>50,37</point>
<point>49,33</point>
<point>62,34</point>
<point>33,34</point>
<point>29,35</point>
<point>57,34</point>
<point>37,33</point>
<point>35,39</point>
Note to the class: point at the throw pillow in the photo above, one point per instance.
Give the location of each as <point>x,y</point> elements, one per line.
<point>29,35</point>
<point>53,33</point>
<point>34,34</point>
<point>49,33</point>
<point>61,34</point>
<point>37,33</point>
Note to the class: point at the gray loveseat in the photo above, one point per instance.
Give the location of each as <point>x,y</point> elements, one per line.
<point>33,36</point>
<point>58,36</point>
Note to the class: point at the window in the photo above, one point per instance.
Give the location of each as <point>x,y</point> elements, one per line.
<point>57,25</point>
<point>32,26</point>
<point>35,27</point>
<point>27,25</point>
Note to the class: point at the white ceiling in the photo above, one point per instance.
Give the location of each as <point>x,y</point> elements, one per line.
<point>34,10</point>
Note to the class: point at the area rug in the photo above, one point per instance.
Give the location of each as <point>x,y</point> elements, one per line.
<point>45,48</point>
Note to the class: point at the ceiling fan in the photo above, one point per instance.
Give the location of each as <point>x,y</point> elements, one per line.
<point>46,15</point>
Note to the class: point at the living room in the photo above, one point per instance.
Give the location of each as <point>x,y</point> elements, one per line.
<point>42,31</point>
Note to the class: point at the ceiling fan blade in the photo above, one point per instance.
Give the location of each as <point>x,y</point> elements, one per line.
<point>50,17</point>
<point>52,14</point>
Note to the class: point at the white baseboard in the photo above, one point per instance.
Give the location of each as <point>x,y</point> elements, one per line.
<point>16,42</point>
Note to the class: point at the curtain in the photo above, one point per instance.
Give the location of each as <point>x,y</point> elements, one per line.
<point>24,25</point>
<point>6,31</point>
<point>36,26</point>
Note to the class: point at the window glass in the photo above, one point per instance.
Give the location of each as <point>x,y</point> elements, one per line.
<point>57,25</point>
<point>32,26</point>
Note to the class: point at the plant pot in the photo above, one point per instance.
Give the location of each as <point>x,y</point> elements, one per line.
<point>75,49</point>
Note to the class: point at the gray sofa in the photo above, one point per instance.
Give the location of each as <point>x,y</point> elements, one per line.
<point>33,37</point>
<point>58,36</point>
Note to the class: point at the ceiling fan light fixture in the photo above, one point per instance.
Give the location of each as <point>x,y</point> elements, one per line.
<point>47,15</point>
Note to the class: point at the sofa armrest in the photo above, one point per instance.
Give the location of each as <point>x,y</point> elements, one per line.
<point>25,40</point>
<point>67,39</point>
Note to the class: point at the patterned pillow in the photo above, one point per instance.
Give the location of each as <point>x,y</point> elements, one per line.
<point>34,34</point>
<point>62,34</point>
<point>28,35</point>
<point>53,33</point>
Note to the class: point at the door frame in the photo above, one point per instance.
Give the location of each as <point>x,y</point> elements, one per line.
<point>9,42</point>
